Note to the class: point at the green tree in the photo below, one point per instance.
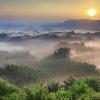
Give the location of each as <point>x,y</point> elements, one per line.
<point>61,53</point>
<point>78,89</point>
<point>9,91</point>
<point>93,83</point>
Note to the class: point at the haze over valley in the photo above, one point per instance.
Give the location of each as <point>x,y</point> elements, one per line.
<point>30,43</point>
<point>48,47</point>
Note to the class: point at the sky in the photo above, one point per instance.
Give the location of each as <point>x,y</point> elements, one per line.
<point>46,10</point>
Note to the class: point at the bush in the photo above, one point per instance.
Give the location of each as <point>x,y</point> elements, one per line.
<point>77,90</point>
<point>38,92</point>
<point>53,87</point>
<point>10,92</point>
<point>69,82</point>
<point>93,83</point>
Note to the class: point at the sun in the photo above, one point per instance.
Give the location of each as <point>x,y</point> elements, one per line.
<point>91,12</point>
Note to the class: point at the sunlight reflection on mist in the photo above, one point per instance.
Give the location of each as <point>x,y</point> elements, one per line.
<point>90,55</point>
<point>40,49</point>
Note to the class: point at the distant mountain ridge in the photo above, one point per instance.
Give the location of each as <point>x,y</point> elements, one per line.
<point>85,24</point>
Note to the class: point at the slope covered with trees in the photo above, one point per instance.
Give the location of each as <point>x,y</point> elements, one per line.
<point>56,66</point>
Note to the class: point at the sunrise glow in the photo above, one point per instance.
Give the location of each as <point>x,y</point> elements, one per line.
<point>91,12</point>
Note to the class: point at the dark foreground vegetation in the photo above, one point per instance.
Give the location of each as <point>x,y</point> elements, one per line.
<point>20,74</point>
<point>71,89</point>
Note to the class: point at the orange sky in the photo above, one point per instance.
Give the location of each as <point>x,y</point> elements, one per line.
<point>46,10</point>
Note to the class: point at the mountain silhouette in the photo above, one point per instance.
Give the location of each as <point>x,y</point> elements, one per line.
<point>84,24</point>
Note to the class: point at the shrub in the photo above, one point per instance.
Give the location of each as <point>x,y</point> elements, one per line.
<point>78,89</point>
<point>69,82</point>
<point>93,83</point>
<point>9,91</point>
<point>53,87</point>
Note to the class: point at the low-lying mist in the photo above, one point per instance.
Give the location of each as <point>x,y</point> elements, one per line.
<point>28,52</point>
<point>89,52</point>
<point>25,52</point>
<point>55,59</point>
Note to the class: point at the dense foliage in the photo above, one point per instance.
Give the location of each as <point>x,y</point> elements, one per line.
<point>71,89</point>
<point>60,64</point>
<point>61,53</point>
<point>20,74</point>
